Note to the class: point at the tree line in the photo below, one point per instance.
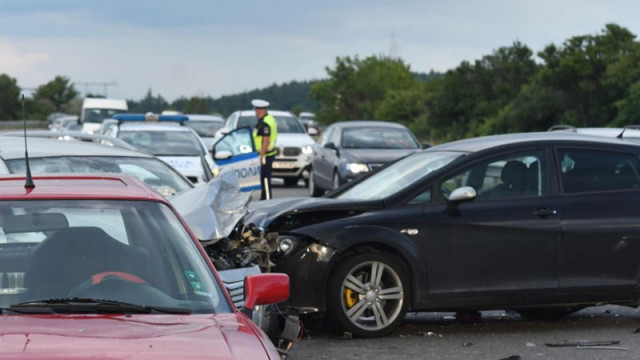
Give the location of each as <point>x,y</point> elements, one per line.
<point>589,80</point>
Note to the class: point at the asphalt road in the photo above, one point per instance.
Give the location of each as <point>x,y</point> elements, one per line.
<point>497,335</point>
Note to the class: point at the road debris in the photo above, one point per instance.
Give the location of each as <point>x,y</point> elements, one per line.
<point>583,343</point>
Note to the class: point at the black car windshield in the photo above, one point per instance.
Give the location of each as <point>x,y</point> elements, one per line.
<point>125,251</point>
<point>205,128</point>
<point>164,143</point>
<point>399,175</point>
<point>153,172</point>
<point>286,124</point>
<point>378,138</point>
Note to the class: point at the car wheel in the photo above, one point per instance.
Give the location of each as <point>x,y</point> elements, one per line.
<point>336,180</point>
<point>368,294</point>
<point>290,181</point>
<point>314,191</point>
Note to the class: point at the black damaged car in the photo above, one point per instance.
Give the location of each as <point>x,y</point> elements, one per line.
<point>540,223</point>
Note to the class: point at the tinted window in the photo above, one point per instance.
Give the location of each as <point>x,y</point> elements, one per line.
<point>378,138</point>
<point>591,170</point>
<point>509,176</point>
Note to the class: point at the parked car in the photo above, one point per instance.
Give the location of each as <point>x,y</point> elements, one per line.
<point>294,144</point>
<point>57,156</point>
<point>99,265</point>
<point>65,123</point>
<point>349,149</point>
<point>541,223</point>
<point>308,119</point>
<point>166,137</point>
<point>206,126</point>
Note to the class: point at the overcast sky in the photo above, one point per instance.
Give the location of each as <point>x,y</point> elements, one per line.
<point>214,47</point>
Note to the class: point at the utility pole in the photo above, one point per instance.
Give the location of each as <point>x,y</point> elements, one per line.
<point>103,84</point>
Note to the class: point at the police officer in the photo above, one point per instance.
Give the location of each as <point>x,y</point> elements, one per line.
<point>264,136</point>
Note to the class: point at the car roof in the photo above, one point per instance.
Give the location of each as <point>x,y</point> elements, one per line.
<point>13,148</point>
<point>203,117</point>
<point>75,186</point>
<point>367,123</point>
<point>269,111</point>
<point>485,142</point>
<point>145,126</point>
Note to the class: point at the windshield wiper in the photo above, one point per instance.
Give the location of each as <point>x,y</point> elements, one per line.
<point>83,304</point>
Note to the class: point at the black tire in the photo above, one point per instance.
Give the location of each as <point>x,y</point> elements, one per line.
<point>314,191</point>
<point>363,306</point>
<point>547,314</point>
<point>290,181</point>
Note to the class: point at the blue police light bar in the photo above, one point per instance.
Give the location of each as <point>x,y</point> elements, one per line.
<point>149,117</point>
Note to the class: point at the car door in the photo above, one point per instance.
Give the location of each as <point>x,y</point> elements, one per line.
<point>503,241</point>
<point>322,169</point>
<point>236,151</point>
<point>600,246</point>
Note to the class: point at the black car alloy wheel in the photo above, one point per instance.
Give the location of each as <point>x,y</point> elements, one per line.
<point>367,294</point>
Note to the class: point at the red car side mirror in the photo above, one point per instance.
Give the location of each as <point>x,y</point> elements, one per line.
<point>262,289</point>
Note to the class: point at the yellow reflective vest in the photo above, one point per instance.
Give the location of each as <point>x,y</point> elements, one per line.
<point>269,121</point>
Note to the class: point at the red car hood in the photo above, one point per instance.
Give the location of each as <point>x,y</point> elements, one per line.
<point>140,337</point>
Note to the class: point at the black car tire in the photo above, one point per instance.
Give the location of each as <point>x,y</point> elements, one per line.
<point>291,181</point>
<point>363,307</point>
<point>314,190</point>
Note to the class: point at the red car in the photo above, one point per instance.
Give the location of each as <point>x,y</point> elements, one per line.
<point>102,267</point>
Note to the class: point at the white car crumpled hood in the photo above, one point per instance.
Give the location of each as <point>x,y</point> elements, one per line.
<point>212,211</point>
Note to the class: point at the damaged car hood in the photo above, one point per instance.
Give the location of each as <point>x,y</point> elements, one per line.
<point>263,213</point>
<point>213,210</point>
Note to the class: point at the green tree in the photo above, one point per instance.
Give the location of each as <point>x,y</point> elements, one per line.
<point>150,103</point>
<point>462,101</point>
<point>585,69</point>
<point>56,93</point>
<point>355,87</point>
<point>197,105</point>
<point>9,98</point>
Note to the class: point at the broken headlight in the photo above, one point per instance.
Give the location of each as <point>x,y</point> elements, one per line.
<point>286,244</point>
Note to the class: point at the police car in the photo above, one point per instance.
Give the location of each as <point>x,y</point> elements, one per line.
<point>166,137</point>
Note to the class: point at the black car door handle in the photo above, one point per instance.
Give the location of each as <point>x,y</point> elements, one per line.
<point>542,212</point>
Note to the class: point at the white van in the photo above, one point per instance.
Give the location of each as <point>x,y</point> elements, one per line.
<point>95,110</point>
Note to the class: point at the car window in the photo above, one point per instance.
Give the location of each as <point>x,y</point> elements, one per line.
<point>399,176</point>
<point>135,252</point>
<point>164,143</point>
<point>324,137</point>
<point>205,128</point>
<point>153,172</point>
<point>334,137</point>
<point>593,170</point>
<point>507,176</point>
<point>378,138</point>
<point>237,142</point>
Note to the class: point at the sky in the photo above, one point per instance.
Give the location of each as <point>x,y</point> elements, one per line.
<point>216,47</point>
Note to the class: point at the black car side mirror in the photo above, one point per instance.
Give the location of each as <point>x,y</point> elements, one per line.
<point>332,146</point>
<point>459,196</point>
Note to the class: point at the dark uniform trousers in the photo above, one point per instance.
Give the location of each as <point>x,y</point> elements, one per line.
<point>265,177</point>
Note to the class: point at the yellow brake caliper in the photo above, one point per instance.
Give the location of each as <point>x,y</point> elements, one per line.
<point>350,297</point>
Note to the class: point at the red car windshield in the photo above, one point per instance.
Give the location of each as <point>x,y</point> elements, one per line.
<point>130,252</point>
